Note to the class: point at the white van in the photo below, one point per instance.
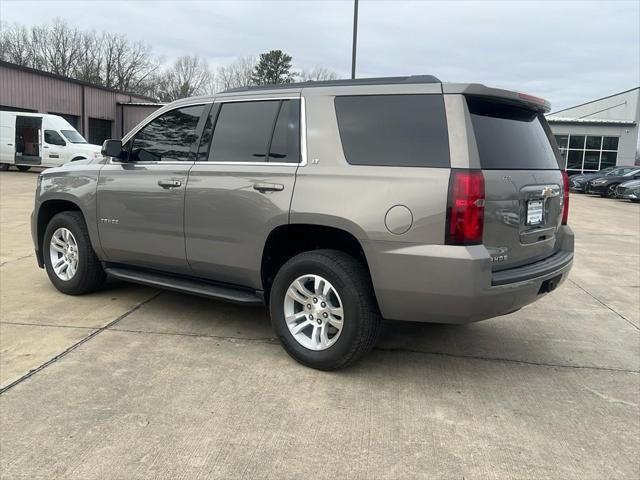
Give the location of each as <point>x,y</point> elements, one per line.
<point>41,140</point>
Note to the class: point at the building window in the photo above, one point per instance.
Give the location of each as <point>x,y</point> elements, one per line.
<point>587,153</point>
<point>99,130</point>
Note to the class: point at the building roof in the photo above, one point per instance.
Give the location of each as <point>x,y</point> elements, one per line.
<point>596,100</point>
<point>42,73</point>
<point>591,121</point>
<point>346,82</point>
<point>142,104</point>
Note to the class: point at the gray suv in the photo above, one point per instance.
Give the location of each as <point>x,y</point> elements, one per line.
<point>337,204</point>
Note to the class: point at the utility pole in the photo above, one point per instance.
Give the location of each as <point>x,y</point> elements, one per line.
<point>355,39</point>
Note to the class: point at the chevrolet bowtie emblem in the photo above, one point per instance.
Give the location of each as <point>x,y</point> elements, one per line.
<point>547,192</point>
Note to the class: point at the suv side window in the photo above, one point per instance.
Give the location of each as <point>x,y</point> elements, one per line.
<point>168,137</point>
<point>285,144</point>
<point>256,131</point>
<point>393,130</point>
<point>53,138</point>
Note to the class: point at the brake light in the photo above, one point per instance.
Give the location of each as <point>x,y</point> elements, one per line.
<point>565,197</point>
<point>532,98</point>
<point>465,209</point>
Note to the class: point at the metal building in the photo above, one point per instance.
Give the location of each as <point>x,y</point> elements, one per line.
<point>599,134</point>
<point>96,112</point>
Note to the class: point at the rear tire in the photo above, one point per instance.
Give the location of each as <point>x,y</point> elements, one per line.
<point>344,286</point>
<point>4,167</point>
<point>23,168</point>
<point>72,242</point>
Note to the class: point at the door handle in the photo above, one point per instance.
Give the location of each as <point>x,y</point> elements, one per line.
<point>169,183</point>
<point>268,187</point>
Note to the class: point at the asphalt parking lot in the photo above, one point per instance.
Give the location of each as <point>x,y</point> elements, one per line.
<point>136,383</point>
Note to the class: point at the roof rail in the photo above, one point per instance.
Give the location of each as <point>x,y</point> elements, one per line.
<point>342,83</point>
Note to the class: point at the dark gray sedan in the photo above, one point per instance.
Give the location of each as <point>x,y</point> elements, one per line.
<point>629,190</point>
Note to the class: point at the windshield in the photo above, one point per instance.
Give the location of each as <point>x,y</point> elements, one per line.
<point>632,173</point>
<point>620,171</point>
<point>73,136</point>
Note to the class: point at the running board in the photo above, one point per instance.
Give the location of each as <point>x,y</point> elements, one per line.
<point>186,285</point>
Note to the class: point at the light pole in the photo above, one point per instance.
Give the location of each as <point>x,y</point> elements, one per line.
<point>355,39</point>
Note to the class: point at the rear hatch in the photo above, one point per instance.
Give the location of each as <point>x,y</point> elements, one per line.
<point>523,181</point>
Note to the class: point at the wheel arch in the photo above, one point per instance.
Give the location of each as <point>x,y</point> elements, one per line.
<point>286,241</point>
<point>46,211</point>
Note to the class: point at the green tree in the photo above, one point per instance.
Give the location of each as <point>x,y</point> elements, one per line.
<point>272,68</point>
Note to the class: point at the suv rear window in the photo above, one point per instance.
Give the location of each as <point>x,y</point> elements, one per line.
<point>393,130</point>
<point>511,137</point>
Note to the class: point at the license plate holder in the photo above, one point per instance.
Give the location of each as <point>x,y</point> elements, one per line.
<point>535,210</point>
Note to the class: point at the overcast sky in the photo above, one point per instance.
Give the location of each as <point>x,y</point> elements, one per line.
<point>566,51</point>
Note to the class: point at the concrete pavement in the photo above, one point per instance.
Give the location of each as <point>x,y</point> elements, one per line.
<point>135,383</point>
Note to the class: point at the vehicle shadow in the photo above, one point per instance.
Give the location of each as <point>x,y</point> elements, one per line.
<point>505,338</point>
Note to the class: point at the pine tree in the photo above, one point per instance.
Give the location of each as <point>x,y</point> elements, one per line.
<point>272,68</point>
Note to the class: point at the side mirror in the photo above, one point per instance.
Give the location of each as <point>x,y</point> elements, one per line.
<point>112,148</point>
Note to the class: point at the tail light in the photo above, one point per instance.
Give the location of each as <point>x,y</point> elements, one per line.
<point>565,197</point>
<point>465,209</point>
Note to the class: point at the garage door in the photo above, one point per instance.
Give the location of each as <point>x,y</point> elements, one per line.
<point>99,130</point>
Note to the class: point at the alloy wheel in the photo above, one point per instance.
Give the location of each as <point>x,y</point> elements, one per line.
<point>313,312</point>
<point>63,250</point>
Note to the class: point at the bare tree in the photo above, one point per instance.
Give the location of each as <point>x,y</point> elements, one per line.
<point>236,74</point>
<point>91,59</point>
<point>188,76</point>
<point>107,59</point>
<point>316,74</point>
<point>60,46</point>
<point>20,45</point>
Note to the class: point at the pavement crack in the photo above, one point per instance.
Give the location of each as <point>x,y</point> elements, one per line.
<point>29,324</point>
<point>32,372</point>
<point>506,360</point>
<point>15,259</point>
<point>604,304</point>
<point>270,340</point>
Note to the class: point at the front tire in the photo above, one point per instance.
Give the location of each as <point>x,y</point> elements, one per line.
<point>23,168</point>
<point>4,167</point>
<point>70,262</point>
<point>611,191</point>
<point>323,309</point>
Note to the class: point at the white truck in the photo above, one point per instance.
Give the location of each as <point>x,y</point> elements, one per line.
<point>40,140</point>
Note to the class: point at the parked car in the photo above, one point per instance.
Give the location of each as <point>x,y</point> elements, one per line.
<point>606,186</point>
<point>41,140</point>
<point>579,181</point>
<point>629,190</point>
<point>335,203</point>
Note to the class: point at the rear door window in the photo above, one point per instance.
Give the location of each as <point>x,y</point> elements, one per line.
<point>512,138</point>
<point>257,131</point>
<point>393,130</point>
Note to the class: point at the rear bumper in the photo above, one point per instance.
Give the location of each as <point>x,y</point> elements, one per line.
<point>450,284</point>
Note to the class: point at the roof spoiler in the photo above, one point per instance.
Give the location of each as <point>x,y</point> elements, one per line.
<point>476,89</point>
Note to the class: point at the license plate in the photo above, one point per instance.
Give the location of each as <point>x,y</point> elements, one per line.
<point>534,212</point>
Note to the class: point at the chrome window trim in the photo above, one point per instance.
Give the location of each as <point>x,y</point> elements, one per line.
<point>303,135</point>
